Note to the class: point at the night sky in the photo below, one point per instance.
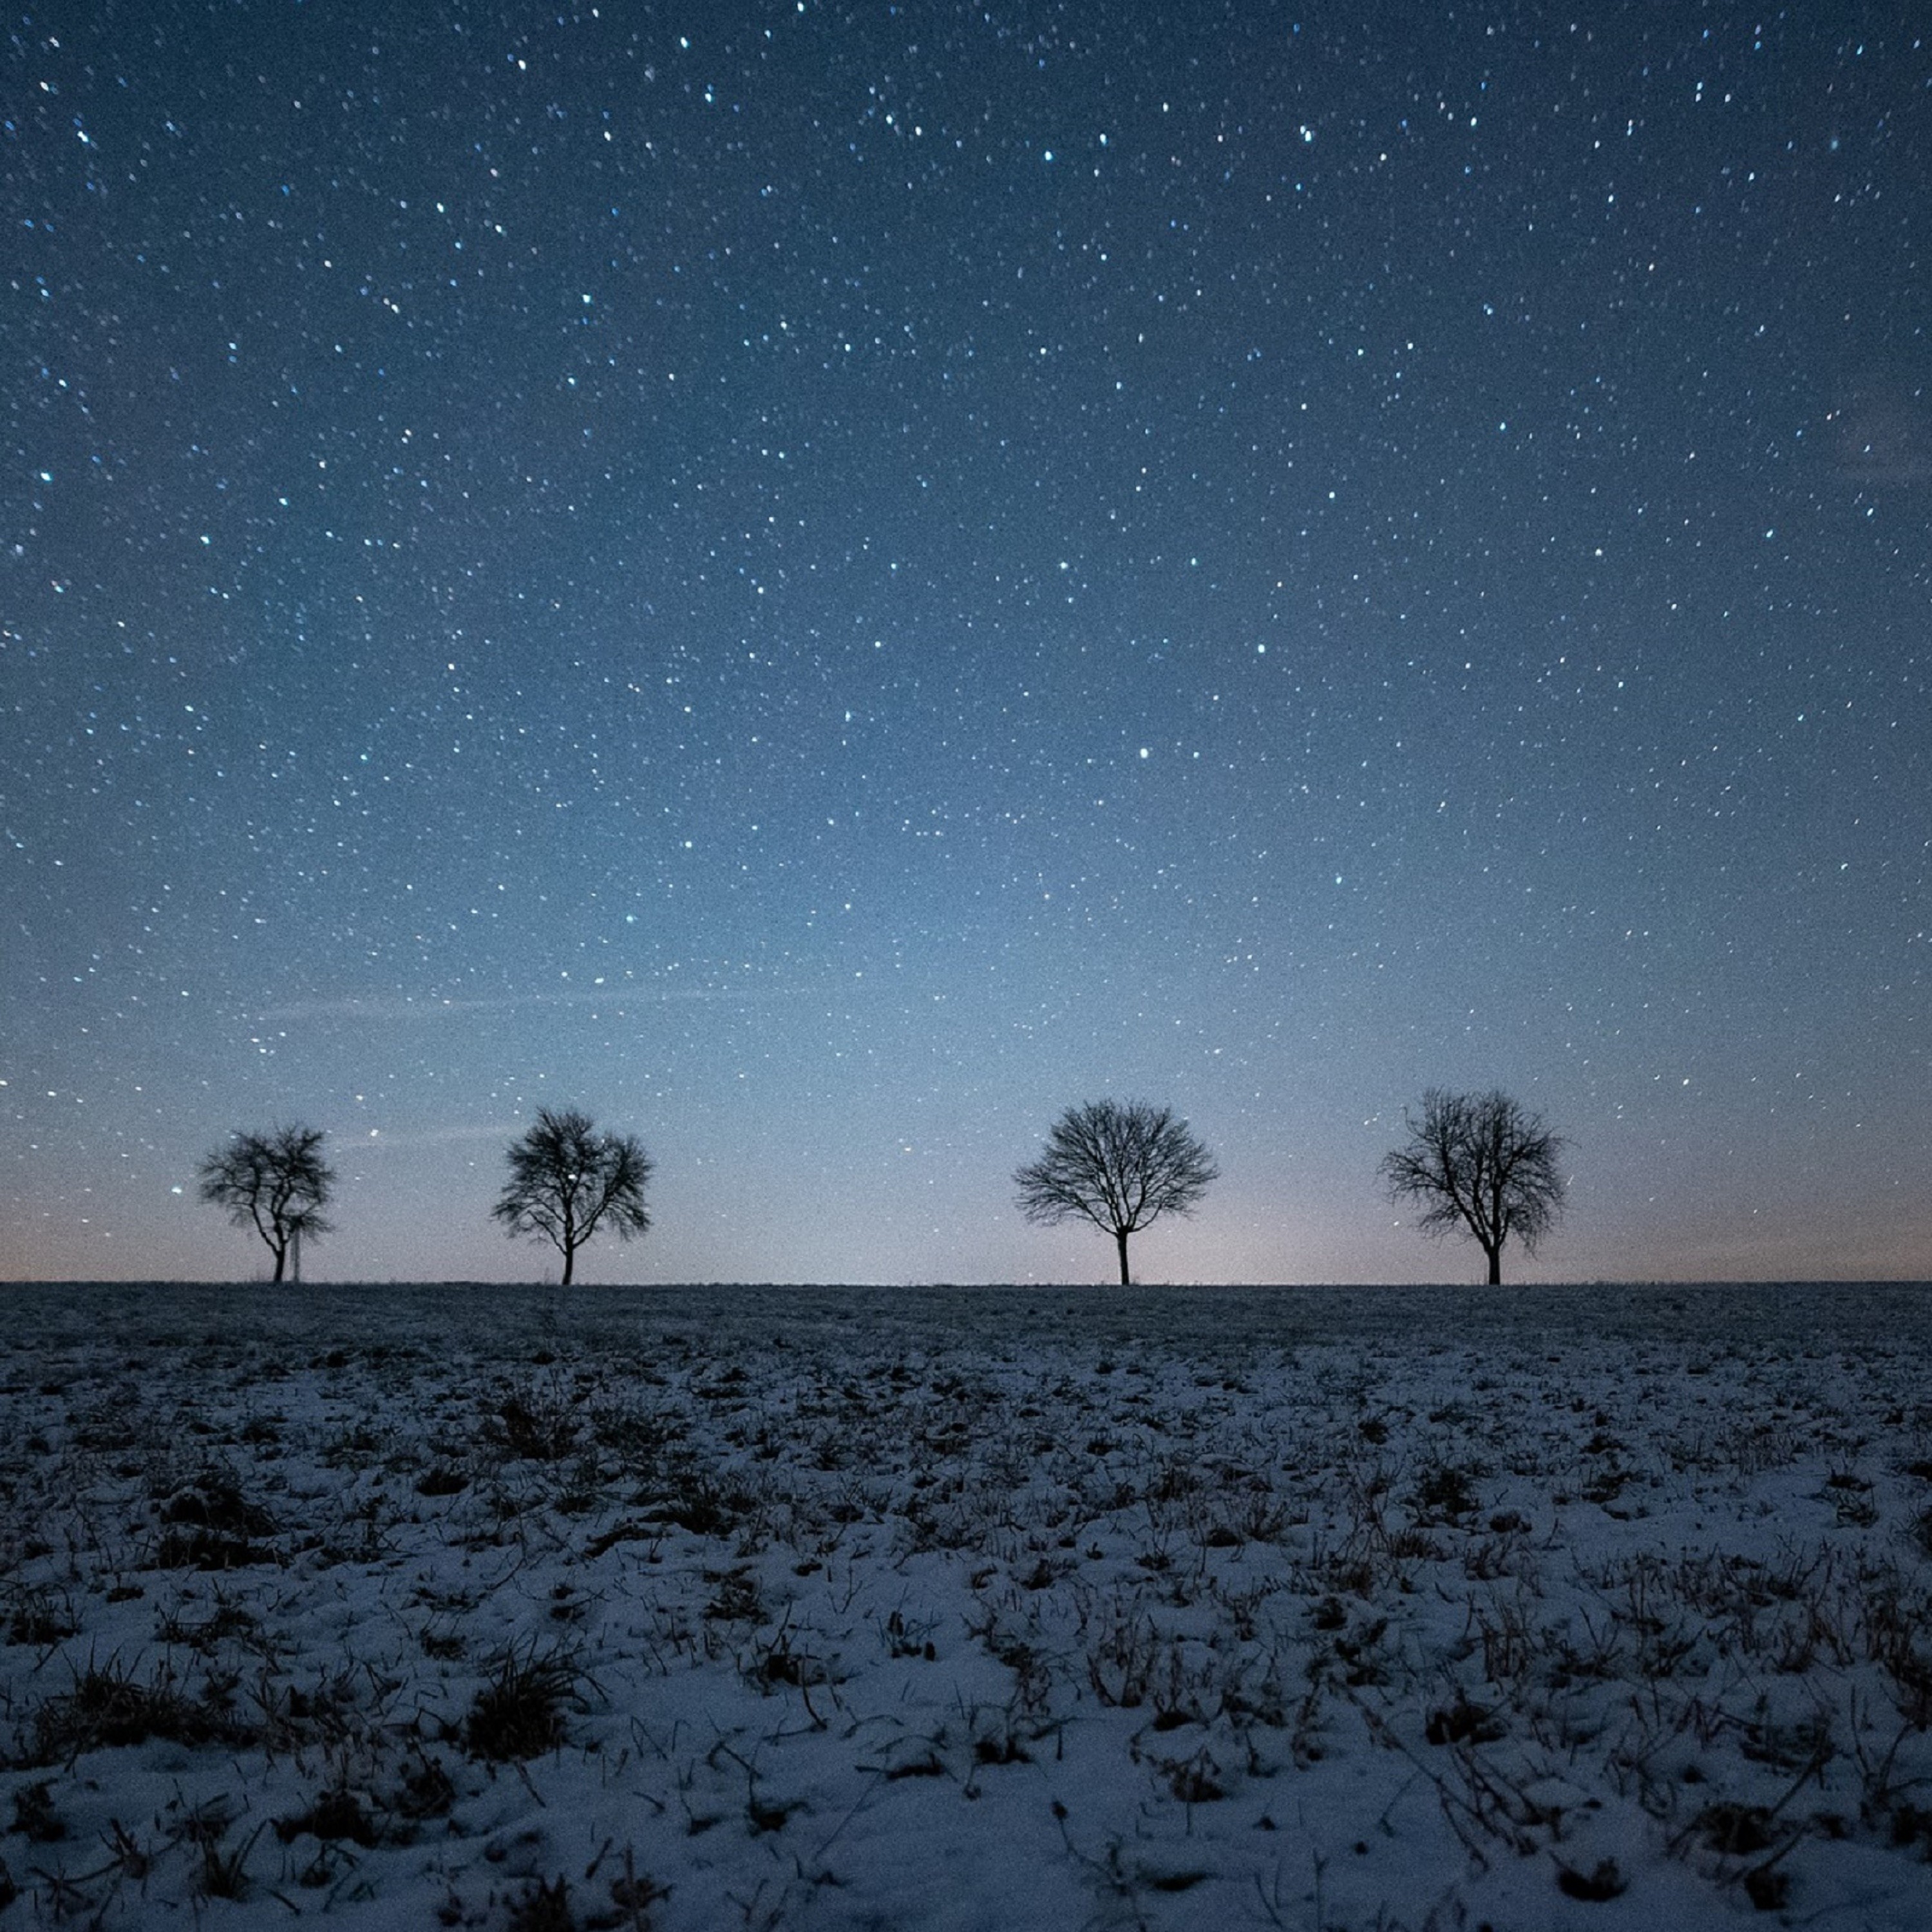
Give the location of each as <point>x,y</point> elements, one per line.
<point>824,582</point>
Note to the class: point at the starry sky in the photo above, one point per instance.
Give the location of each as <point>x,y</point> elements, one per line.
<point>823,581</point>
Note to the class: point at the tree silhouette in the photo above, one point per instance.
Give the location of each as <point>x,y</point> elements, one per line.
<point>567,1180</point>
<point>276,1182</point>
<point>1481,1164</point>
<point>1119,1164</point>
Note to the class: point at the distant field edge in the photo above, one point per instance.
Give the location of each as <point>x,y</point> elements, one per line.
<point>1509,1291</point>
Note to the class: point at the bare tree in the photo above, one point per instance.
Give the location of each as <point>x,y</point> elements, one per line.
<point>1482,1165</point>
<point>1119,1164</point>
<point>567,1181</point>
<point>276,1182</point>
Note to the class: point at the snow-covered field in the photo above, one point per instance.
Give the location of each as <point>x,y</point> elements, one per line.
<point>977,1608</point>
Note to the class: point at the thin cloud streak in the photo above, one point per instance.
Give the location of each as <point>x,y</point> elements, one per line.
<point>358,1009</point>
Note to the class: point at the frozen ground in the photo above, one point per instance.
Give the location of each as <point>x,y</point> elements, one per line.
<point>1604,1608</point>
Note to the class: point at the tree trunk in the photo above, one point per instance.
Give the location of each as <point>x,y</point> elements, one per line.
<point>1120,1236</point>
<point>1496,1255</point>
<point>569,1262</point>
<point>281,1255</point>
